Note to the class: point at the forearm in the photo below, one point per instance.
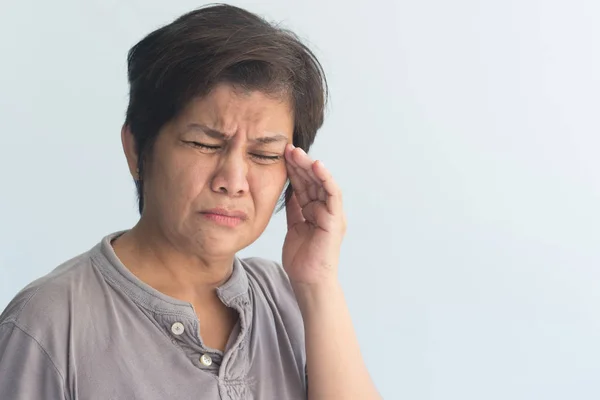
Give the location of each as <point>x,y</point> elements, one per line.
<point>335,366</point>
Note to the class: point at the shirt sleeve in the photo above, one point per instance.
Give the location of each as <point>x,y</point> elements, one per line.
<point>26,370</point>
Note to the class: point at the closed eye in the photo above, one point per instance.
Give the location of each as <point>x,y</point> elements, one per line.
<point>262,158</point>
<point>205,146</point>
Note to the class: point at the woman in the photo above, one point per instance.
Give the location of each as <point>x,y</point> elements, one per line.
<point>223,107</point>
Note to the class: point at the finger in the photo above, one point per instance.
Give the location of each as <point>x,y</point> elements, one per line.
<point>303,161</point>
<point>293,212</point>
<point>303,166</point>
<point>313,189</point>
<point>334,194</point>
<point>308,212</point>
<point>309,185</point>
<point>299,186</point>
<point>304,186</point>
<point>301,172</point>
<point>322,194</point>
<point>316,214</point>
<point>287,153</point>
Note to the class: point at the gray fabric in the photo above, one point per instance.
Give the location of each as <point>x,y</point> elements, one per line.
<point>92,330</point>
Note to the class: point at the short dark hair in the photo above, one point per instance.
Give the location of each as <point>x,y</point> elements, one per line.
<point>219,44</point>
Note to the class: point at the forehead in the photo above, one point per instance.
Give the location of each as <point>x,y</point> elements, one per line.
<point>230,109</point>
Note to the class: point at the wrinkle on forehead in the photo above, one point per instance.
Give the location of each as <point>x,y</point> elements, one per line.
<point>252,113</point>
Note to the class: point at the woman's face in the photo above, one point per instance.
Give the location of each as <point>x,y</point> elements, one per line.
<point>217,171</point>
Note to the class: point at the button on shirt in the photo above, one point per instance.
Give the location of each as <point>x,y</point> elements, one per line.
<point>92,330</point>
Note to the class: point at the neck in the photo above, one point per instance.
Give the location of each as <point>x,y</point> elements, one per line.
<point>170,267</point>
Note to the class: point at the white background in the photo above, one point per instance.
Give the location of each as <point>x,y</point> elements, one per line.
<point>465,135</point>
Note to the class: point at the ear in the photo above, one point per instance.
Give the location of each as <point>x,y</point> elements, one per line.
<point>128,143</point>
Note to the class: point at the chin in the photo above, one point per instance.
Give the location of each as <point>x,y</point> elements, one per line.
<point>218,244</point>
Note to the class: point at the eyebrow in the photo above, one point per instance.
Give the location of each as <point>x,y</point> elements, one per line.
<point>216,134</point>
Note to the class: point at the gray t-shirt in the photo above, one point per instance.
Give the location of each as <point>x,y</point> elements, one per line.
<point>92,330</point>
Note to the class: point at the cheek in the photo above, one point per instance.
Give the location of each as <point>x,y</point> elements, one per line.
<point>267,186</point>
<point>183,178</point>
<point>194,179</point>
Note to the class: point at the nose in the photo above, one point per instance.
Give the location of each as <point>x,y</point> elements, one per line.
<point>231,176</point>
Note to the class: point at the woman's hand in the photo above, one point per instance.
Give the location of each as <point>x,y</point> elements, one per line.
<point>316,222</point>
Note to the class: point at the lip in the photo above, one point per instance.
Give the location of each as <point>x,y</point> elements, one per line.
<point>225,217</point>
<point>226,213</point>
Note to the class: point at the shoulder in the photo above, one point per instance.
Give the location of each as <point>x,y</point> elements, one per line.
<point>36,327</point>
<point>264,269</point>
<point>270,277</point>
<point>275,302</point>
<point>48,301</point>
<point>27,371</point>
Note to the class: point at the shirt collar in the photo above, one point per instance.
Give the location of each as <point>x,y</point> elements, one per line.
<point>146,296</point>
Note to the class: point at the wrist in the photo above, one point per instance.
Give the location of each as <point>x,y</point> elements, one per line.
<point>317,294</point>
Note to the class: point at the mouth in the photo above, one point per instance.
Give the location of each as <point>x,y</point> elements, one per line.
<point>224,217</point>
